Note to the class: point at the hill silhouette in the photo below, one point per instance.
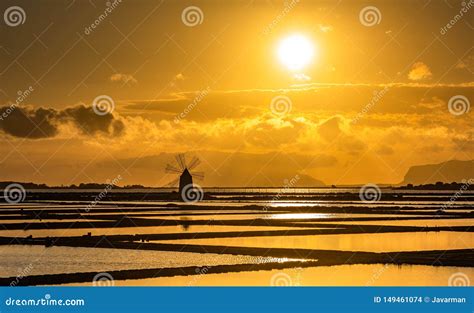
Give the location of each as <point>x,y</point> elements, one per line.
<point>30,185</point>
<point>239,169</point>
<point>450,171</point>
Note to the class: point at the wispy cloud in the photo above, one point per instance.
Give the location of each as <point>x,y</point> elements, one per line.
<point>467,63</point>
<point>179,76</point>
<point>325,28</point>
<point>419,71</point>
<point>124,78</point>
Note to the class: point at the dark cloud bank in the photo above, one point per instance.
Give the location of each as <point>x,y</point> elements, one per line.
<point>36,123</point>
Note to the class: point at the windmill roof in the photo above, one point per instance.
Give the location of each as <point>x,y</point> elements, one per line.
<point>186,172</point>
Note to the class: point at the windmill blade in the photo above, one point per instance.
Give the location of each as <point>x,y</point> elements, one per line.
<point>172,169</point>
<point>181,159</point>
<point>198,175</point>
<point>173,183</point>
<point>194,162</point>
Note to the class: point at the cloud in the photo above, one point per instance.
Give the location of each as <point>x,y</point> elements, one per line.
<point>301,77</point>
<point>308,100</point>
<point>325,28</point>
<point>406,120</point>
<point>466,64</point>
<point>465,141</point>
<point>125,78</point>
<point>229,168</point>
<point>330,130</point>
<point>315,86</point>
<point>419,71</point>
<point>179,76</point>
<point>385,150</point>
<point>89,123</point>
<point>28,122</point>
<point>432,104</point>
<point>36,123</point>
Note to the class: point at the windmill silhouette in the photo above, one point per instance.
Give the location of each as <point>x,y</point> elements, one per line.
<point>187,190</point>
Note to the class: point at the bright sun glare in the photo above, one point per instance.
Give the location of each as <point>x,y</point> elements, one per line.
<point>295,52</point>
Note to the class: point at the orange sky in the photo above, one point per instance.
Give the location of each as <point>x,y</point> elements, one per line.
<point>372,103</point>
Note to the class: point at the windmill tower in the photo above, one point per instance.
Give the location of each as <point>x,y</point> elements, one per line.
<point>185,179</point>
<point>185,172</point>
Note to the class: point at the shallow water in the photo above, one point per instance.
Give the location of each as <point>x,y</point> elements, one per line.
<point>135,230</point>
<point>276,216</point>
<point>267,203</point>
<point>36,260</point>
<point>341,275</point>
<point>383,242</point>
<point>40,260</point>
<point>47,220</point>
<point>333,215</point>
<point>420,223</point>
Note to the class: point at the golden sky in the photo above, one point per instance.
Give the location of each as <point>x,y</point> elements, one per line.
<point>373,100</point>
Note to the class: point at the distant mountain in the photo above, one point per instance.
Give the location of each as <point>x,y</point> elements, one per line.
<point>450,171</point>
<point>222,169</point>
<point>5,184</point>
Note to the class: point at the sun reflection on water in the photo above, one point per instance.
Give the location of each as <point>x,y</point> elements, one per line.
<point>300,215</point>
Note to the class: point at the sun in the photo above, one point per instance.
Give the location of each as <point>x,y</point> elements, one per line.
<point>296,52</point>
